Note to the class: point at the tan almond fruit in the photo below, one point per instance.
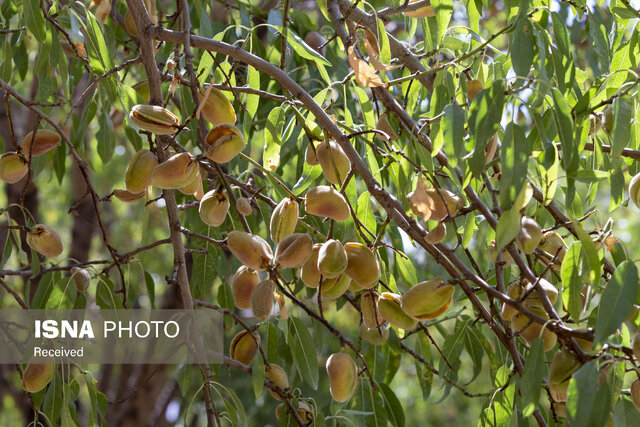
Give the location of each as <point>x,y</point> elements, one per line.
<point>343,376</point>
<point>563,365</point>
<point>334,162</point>
<point>553,244</point>
<point>244,347</point>
<point>423,12</point>
<point>279,377</point>
<point>332,259</point>
<point>262,299</point>
<point>242,285</point>
<point>362,266</point>
<point>243,206</point>
<point>13,167</point>
<point>529,236</point>
<point>176,172</point>
<point>332,289</point>
<point>389,307</point>
<point>216,109</point>
<point>213,208</point>
<point>514,291</point>
<point>45,240</point>
<point>304,412</point>
<point>326,202</point>
<point>371,317</point>
<point>309,273</point>
<point>473,89</point>
<point>127,196</point>
<point>635,393</point>
<point>154,119</point>
<point>374,336</point>
<point>436,235</point>
<point>533,299</point>
<point>82,278</point>
<point>37,375</point>
<point>253,251</point>
<point>293,250</point>
<point>44,141</point>
<point>310,156</point>
<point>529,331</point>
<point>283,219</point>
<point>427,300</point>
<point>225,142</point>
<point>138,175</point>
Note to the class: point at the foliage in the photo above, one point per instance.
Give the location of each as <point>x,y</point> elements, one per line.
<point>487,143</point>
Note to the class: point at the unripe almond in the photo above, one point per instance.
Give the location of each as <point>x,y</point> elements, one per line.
<point>427,300</point>
<point>334,288</point>
<point>436,235</point>
<point>514,291</point>
<point>244,347</point>
<point>283,219</point>
<point>130,24</point>
<point>45,240</point>
<point>334,162</point>
<point>127,196</point>
<point>262,299</point>
<point>243,206</point>
<point>506,256</point>
<point>304,412</point>
<point>216,109</point>
<point>374,336</point>
<point>533,300</point>
<point>553,244</point>
<point>45,140</point>
<point>194,187</point>
<point>529,333</point>
<point>37,375</point>
<point>155,119</point>
<point>362,266</point>
<point>390,309</point>
<point>138,175</point>
<point>332,259</point>
<point>82,278</point>
<point>176,172</point>
<point>343,376</point>
<point>371,317</point>
<point>13,167</point>
<point>253,251</point>
<point>309,273</point>
<point>243,283</point>
<point>563,366</point>
<point>225,142</point>
<point>529,235</point>
<point>279,377</point>
<point>634,190</point>
<point>213,208</point>
<point>293,250</point>
<point>326,202</point>
<point>310,156</point>
<point>635,393</point>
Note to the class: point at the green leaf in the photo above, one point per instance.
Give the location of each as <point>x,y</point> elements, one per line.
<point>257,375</point>
<point>565,127</point>
<point>273,138</point>
<point>34,19</point>
<point>406,269</point>
<point>617,300</point>
<point>522,47</point>
<point>582,393</point>
<point>593,254</point>
<point>453,133</point>
<point>303,351</point>
<point>514,156</point>
<point>364,212</point>
<point>151,289</point>
<point>253,100</point>
<point>531,379</point>
<point>484,121</point>
<point>301,48</point>
<point>392,405</point>
<point>106,138</point>
<point>621,132</point>
<point>571,280</point>
<point>507,228</point>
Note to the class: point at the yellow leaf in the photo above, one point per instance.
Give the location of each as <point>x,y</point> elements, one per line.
<point>364,74</point>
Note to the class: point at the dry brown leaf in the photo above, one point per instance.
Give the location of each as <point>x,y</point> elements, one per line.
<point>384,126</point>
<point>423,12</point>
<point>364,74</point>
<point>371,46</point>
<point>371,40</point>
<point>420,202</point>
